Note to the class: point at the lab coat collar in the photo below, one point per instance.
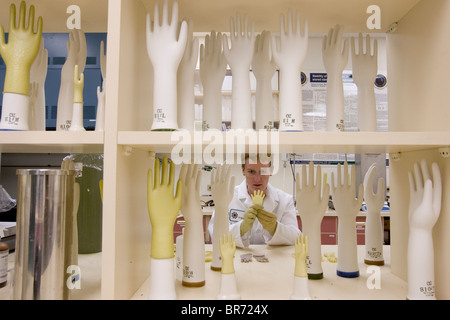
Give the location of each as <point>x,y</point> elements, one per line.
<point>270,202</point>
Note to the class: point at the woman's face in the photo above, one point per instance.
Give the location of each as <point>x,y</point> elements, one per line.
<point>257,176</point>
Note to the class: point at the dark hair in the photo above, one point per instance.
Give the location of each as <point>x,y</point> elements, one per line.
<point>254,157</point>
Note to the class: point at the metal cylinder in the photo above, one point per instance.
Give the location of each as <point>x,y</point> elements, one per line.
<point>44,233</point>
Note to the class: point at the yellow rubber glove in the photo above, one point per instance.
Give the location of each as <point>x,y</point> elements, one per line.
<point>252,211</point>
<point>21,50</point>
<point>268,220</point>
<point>163,208</point>
<point>301,252</point>
<point>258,197</point>
<point>227,250</point>
<point>78,86</point>
<point>249,217</point>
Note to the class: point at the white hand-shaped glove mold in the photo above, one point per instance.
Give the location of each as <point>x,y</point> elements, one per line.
<point>193,238</point>
<point>100,118</point>
<point>34,104</point>
<point>76,55</point>
<point>18,54</point>
<point>365,67</point>
<point>38,74</point>
<point>425,198</point>
<point>263,68</point>
<point>312,204</point>
<point>374,228</point>
<point>335,59</point>
<point>222,189</point>
<point>213,68</point>
<point>186,70</point>
<point>347,207</point>
<point>289,55</point>
<point>239,57</point>
<point>165,48</point>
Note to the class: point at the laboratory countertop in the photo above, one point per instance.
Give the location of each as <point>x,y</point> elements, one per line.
<point>272,280</point>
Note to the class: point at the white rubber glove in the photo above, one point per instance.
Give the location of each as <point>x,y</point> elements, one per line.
<point>365,67</point>
<point>347,207</point>
<point>425,197</point>
<point>38,74</point>
<point>193,238</point>
<point>312,203</point>
<point>263,68</point>
<point>239,57</point>
<point>289,55</point>
<point>76,55</point>
<point>335,59</point>
<point>18,54</point>
<point>213,68</point>
<point>165,48</point>
<point>222,189</point>
<point>185,86</point>
<point>374,228</point>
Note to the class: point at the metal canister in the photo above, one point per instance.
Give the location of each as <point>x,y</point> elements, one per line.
<point>44,233</point>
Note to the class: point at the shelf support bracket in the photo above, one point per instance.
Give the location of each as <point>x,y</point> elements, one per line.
<point>127,150</point>
<point>444,152</point>
<point>395,156</point>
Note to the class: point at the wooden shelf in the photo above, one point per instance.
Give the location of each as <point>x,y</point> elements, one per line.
<point>305,142</point>
<point>322,15</point>
<point>51,142</point>
<point>94,14</point>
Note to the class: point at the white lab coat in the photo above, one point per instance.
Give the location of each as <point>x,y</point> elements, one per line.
<point>275,201</point>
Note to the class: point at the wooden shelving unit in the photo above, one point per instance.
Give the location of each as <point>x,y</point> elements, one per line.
<point>417,129</point>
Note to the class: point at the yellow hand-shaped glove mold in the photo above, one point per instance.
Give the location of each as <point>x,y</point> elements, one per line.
<point>227,250</point>
<point>301,252</point>
<point>163,207</point>
<point>21,50</point>
<point>78,86</point>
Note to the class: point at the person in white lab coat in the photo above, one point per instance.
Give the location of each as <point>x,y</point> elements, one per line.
<point>274,224</point>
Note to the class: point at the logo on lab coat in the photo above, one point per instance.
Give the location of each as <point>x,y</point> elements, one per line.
<point>236,215</point>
